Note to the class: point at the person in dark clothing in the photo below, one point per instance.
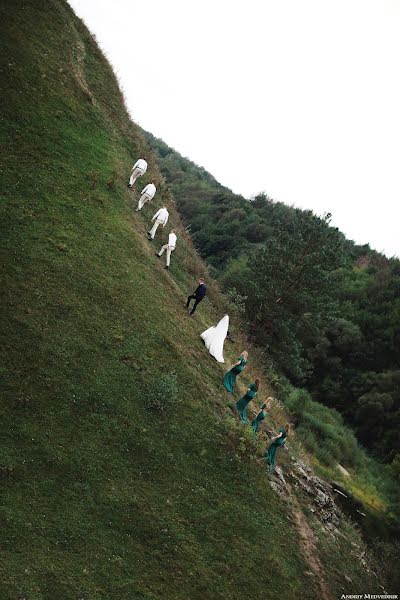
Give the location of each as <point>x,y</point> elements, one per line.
<point>197,296</point>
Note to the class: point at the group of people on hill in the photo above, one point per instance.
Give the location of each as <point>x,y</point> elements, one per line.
<point>161,216</point>
<point>213,337</point>
<point>242,405</point>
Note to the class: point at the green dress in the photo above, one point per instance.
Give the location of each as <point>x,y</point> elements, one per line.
<point>241,404</point>
<point>271,452</point>
<point>256,423</point>
<point>230,376</point>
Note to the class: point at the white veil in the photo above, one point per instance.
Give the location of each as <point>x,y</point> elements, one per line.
<point>214,338</point>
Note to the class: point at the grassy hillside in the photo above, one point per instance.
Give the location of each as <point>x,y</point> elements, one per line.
<point>327,315</point>
<point>123,472</point>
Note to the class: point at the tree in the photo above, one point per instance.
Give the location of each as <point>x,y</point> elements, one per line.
<point>289,290</point>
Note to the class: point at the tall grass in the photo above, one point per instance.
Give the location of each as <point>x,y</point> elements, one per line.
<point>322,431</point>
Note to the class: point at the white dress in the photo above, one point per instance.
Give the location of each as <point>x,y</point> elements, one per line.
<point>214,339</point>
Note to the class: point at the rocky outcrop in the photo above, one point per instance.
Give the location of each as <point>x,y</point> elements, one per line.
<point>343,471</point>
<point>320,492</point>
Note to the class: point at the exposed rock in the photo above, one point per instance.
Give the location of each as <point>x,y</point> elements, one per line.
<point>347,502</point>
<point>342,471</point>
<point>340,489</point>
<point>321,493</point>
<point>278,483</point>
<point>323,503</point>
<point>277,487</point>
<point>362,558</point>
<point>339,492</point>
<point>279,474</point>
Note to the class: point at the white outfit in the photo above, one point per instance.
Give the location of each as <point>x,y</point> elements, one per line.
<point>160,218</point>
<point>138,169</point>
<point>169,247</point>
<point>147,194</point>
<point>214,339</point>
<point>172,240</point>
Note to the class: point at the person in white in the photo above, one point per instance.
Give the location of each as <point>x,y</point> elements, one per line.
<point>138,169</point>
<point>214,339</point>
<point>168,247</point>
<point>160,218</point>
<point>147,194</point>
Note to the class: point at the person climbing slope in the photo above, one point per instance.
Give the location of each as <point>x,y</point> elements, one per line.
<point>138,169</point>
<point>277,442</point>
<point>147,194</point>
<point>230,376</point>
<point>241,405</point>
<point>197,296</point>
<point>261,415</point>
<point>160,218</point>
<point>168,247</point>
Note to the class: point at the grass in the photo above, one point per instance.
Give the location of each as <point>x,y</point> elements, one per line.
<point>328,443</point>
<point>104,494</point>
<point>344,578</point>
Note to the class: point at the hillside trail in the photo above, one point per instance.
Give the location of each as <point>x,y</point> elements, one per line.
<point>307,545</point>
<point>306,537</point>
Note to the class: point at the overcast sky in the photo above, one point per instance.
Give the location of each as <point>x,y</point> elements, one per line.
<point>300,99</point>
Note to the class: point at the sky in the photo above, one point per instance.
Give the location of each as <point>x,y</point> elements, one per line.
<point>300,100</point>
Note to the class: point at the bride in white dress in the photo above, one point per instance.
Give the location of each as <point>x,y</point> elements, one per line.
<point>214,338</point>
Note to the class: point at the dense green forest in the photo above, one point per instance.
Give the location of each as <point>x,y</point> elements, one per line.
<point>325,310</point>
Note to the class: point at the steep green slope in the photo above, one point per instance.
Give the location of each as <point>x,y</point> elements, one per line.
<point>122,471</point>
<point>326,311</point>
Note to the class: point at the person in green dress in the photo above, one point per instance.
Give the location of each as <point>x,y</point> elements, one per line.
<point>261,415</point>
<point>230,376</point>
<point>241,405</point>
<point>277,441</point>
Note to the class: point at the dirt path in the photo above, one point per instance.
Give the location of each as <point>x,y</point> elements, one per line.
<point>308,546</point>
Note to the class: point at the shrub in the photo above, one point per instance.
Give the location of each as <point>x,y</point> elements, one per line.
<point>236,301</point>
<point>296,403</point>
<point>162,396</point>
<point>308,438</point>
<point>322,431</point>
<point>324,455</point>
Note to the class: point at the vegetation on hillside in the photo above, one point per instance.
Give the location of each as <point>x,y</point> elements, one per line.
<point>327,315</point>
<point>325,310</point>
<point>124,474</point>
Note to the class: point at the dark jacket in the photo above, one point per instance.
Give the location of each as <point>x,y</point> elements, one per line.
<point>200,292</point>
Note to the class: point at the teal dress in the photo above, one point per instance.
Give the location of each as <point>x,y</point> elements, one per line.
<point>241,404</point>
<point>256,423</point>
<point>270,455</point>
<point>230,376</point>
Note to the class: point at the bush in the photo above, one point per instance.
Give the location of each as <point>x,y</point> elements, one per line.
<point>324,455</point>
<point>236,301</point>
<point>296,403</point>
<point>322,431</point>
<point>162,396</point>
<point>308,438</point>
